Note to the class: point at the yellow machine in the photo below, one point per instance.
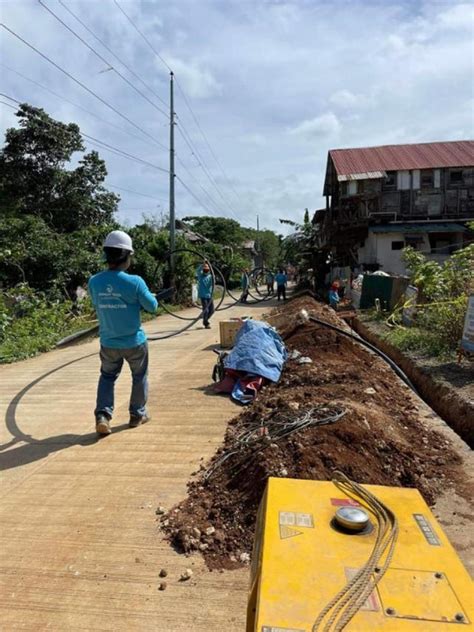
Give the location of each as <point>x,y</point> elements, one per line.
<point>304,555</point>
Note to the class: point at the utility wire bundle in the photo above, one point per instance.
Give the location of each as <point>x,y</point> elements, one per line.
<point>259,435</point>
<point>348,601</point>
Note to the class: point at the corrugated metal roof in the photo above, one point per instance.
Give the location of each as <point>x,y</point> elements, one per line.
<point>400,157</point>
<point>418,228</point>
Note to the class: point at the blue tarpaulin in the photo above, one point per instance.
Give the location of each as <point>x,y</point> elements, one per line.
<point>258,350</point>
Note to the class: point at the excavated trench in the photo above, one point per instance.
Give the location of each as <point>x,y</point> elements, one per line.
<point>451,401</point>
<point>381,439</point>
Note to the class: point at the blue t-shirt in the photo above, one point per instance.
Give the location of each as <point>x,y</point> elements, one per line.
<point>205,284</point>
<point>281,278</point>
<point>334,297</point>
<point>117,297</point>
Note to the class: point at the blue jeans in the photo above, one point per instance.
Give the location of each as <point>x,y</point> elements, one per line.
<point>207,310</point>
<point>111,365</point>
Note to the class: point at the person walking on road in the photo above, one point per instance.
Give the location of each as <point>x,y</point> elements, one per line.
<point>244,284</point>
<point>205,292</point>
<point>117,298</point>
<point>281,281</point>
<point>270,278</point>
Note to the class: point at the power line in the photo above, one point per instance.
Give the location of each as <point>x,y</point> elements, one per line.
<point>62,98</point>
<point>102,59</point>
<point>107,146</point>
<point>164,62</point>
<point>83,86</point>
<point>204,137</point>
<point>151,197</point>
<point>201,164</point>
<point>122,153</point>
<point>143,36</point>
<point>191,192</point>
<point>189,172</point>
<point>130,70</point>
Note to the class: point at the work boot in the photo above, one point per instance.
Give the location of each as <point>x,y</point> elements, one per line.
<point>137,420</point>
<point>102,425</point>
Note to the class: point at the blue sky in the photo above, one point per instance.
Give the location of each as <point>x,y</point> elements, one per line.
<point>273,84</point>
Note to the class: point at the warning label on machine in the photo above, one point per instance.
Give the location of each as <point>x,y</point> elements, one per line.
<point>427,530</point>
<point>296,519</point>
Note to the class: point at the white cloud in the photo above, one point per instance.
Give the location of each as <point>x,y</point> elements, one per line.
<point>197,81</point>
<point>325,125</point>
<point>345,99</point>
<point>274,84</point>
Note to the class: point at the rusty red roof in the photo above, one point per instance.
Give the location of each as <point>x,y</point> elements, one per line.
<point>402,157</point>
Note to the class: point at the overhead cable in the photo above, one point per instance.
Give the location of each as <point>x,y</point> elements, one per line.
<point>107,146</point>
<point>130,70</point>
<point>82,85</point>
<point>201,164</point>
<point>151,197</point>
<point>63,98</point>
<point>186,100</point>
<point>143,36</point>
<point>191,192</point>
<point>102,59</point>
<point>165,63</point>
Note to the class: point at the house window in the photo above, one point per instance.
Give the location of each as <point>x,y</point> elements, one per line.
<point>343,186</point>
<point>415,241</point>
<point>455,177</point>
<point>390,181</point>
<point>426,179</point>
<point>398,245</point>
<point>360,186</point>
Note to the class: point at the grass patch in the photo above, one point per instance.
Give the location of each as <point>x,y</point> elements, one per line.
<point>40,329</point>
<point>419,341</point>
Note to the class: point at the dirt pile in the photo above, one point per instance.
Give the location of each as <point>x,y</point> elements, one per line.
<point>378,440</point>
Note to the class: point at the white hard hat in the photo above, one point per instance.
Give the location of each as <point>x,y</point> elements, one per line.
<point>119,239</point>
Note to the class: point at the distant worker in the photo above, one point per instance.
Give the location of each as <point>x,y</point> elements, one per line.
<point>117,298</point>
<point>334,297</point>
<point>270,278</point>
<point>205,291</point>
<point>244,285</point>
<point>281,281</point>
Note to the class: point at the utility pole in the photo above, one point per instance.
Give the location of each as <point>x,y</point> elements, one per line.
<point>172,178</point>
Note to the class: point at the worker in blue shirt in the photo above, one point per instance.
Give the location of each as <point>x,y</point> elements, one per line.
<point>281,281</point>
<point>118,297</point>
<point>333,295</point>
<point>205,291</point>
<point>244,285</point>
<point>270,279</point>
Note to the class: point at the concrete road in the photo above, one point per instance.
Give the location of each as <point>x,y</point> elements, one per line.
<point>80,546</point>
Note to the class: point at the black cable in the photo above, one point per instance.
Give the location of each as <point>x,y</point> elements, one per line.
<point>201,163</point>
<point>151,197</point>
<point>83,86</point>
<point>102,59</point>
<point>191,192</point>
<point>102,144</point>
<point>76,105</point>
<point>168,67</point>
<point>130,70</point>
<point>370,346</point>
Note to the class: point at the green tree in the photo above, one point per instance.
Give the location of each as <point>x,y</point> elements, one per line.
<point>34,179</point>
<point>220,230</point>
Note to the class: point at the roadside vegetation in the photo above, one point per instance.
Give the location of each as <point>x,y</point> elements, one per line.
<point>55,212</point>
<point>443,292</point>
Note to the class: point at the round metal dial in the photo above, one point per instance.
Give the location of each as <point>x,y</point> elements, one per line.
<point>353,518</point>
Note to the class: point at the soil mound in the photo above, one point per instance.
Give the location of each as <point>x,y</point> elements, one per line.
<point>379,438</point>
